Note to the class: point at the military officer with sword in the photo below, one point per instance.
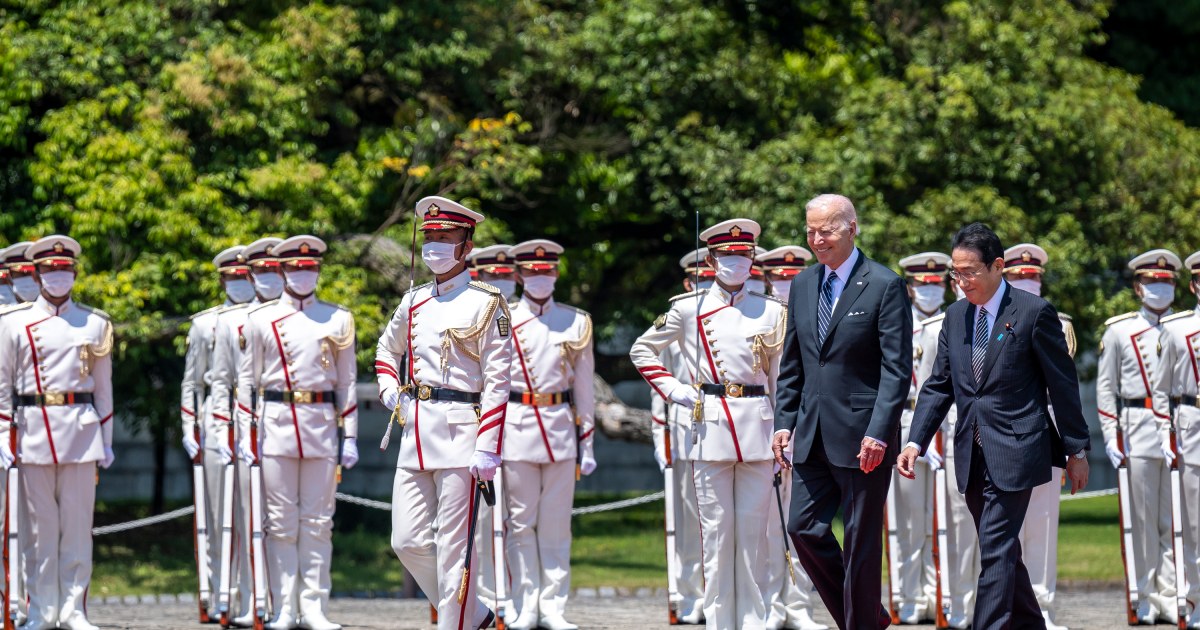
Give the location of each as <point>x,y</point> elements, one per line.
<point>300,358</point>
<point>457,335</point>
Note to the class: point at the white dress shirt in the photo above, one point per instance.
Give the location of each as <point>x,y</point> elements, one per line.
<point>842,272</point>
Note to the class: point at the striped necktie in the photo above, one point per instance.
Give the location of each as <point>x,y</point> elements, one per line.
<point>825,309</point>
<point>979,350</point>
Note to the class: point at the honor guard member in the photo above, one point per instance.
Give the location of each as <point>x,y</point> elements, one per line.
<point>782,264</point>
<point>689,578</point>
<point>58,384</point>
<point>196,411</point>
<point>15,262</point>
<point>494,265</point>
<point>451,407</point>
<point>911,500</point>
<point>257,262</point>
<point>758,278</point>
<point>1175,392</point>
<point>548,434</point>
<point>300,357</point>
<point>7,296</point>
<point>1128,362</point>
<point>1024,265</point>
<point>731,339</point>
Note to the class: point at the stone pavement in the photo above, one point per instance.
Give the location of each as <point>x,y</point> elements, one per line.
<point>1081,609</point>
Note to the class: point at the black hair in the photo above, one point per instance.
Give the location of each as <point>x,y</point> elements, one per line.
<point>980,239</point>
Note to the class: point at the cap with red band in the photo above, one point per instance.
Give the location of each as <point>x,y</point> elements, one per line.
<point>1025,259</point>
<point>696,262</point>
<point>786,261</point>
<point>261,253</point>
<point>493,259</point>
<point>926,266</point>
<point>54,251</point>
<point>300,251</point>
<point>734,235</point>
<point>15,257</point>
<point>1193,263</point>
<point>1157,263</point>
<point>538,255</point>
<point>440,213</point>
<point>231,262</point>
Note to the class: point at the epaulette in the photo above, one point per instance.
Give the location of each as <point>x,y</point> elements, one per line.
<point>933,320</point>
<point>1175,316</point>
<point>12,308</point>
<point>1064,317</point>
<point>92,309</point>
<point>574,308</point>
<point>262,306</point>
<point>483,286</point>
<point>1116,318</point>
<point>207,311</point>
<point>769,297</point>
<point>687,295</point>
<point>233,307</point>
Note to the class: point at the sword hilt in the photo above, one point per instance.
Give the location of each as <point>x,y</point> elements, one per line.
<point>462,587</point>
<point>787,555</point>
<point>338,474</point>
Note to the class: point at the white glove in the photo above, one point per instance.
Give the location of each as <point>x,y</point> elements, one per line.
<point>224,453</point>
<point>390,397</point>
<point>932,457</point>
<point>685,395</point>
<point>349,452</point>
<point>6,455</point>
<point>587,464</point>
<point>484,465</point>
<point>244,452</point>
<point>190,444</point>
<point>1167,451</point>
<point>1114,454</point>
<point>660,457</point>
<point>109,456</point>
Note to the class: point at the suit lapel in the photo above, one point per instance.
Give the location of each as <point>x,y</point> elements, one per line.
<point>1000,333</point>
<point>854,288</point>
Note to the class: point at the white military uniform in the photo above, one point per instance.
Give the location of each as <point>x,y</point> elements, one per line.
<point>459,334</point>
<point>196,408</point>
<point>1175,389</point>
<point>964,563</point>
<point>739,340</point>
<point>552,352</point>
<point>1127,363</point>
<point>229,346</point>
<point>54,353</point>
<point>302,347</point>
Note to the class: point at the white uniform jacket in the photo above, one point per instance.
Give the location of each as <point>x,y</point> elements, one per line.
<point>738,339</point>
<point>54,351</point>
<point>229,344</point>
<point>1127,363</point>
<point>665,413</point>
<point>460,333</point>
<point>300,346</point>
<point>1178,376</point>
<point>552,353</point>
<point>195,391</point>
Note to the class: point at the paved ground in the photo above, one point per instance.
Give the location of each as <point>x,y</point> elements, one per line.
<point>1081,609</point>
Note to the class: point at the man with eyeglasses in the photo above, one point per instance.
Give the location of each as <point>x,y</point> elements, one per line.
<point>843,378</point>
<point>1128,360</point>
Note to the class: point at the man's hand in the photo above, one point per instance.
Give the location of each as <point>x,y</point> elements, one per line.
<point>1077,472</point>
<point>779,444</point>
<point>906,462</point>
<point>870,454</point>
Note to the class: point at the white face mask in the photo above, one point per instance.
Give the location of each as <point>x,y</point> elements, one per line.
<point>539,287</point>
<point>439,257</point>
<point>756,285</point>
<point>7,296</point>
<point>301,282</point>
<point>1158,296</point>
<point>782,289</point>
<point>1027,284</point>
<point>269,286</point>
<point>733,270</point>
<point>26,288</point>
<point>507,287</point>
<point>239,291</point>
<point>58,283</point>
<point>928,298</point>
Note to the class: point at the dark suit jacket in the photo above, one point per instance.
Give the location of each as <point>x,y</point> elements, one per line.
<point>855,384</point>
<point>1027,366</point>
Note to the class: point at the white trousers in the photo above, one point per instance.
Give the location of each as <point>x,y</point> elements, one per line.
<point>689,555</point>
<point>213,473</point>
<point>298,494</point>
<point>242,594</point>
<point>964,549</point>
<point>540,497</point>
<point>1039,540</point>
<point>1153,550</point>
<point>787,603</point>
<point>430,516</point>
<point>21,551</point>
<point>914,553</point>
<point>60,499</point>
<point>733,498</point>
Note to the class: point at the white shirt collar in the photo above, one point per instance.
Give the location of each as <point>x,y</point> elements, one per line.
<point>297,303</point>
<point>843,270</point>
<point>725,297</point>
<point>1155,319</point>
<point>457,282</point>
<point>993,304</point>
<point>46,306</point>
<point>535,308</point>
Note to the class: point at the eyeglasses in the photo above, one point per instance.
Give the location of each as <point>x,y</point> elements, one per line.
<point>825,234</point>
<point>960,276</point>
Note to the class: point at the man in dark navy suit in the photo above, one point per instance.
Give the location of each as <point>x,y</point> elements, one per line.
<point>1003,359</point>
<point>843,380</point>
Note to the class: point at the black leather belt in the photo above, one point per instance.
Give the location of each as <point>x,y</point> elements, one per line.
<point>541,400</point>
<point>733,390</point>
<point>1185,400</point>
<point>1137,403</point>
<point>296,396</point>
<point>444,394</point>
<point>54,399</point>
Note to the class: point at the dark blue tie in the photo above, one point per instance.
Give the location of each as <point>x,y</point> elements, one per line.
<point>979,350</point>
<point>825,309</point>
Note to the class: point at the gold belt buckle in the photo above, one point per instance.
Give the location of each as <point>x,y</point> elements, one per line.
<point>302,397</point>
<point>733,390</point>
<point>54,398</point>
<point>542,400</point>
<point>424,392</point>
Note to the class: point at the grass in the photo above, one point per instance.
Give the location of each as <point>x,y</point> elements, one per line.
<point>622,548</point>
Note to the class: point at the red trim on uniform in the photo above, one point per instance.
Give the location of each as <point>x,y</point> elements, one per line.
<point>5,418</point>
<point>350,410</point>
<point>37,377</point>
<point>106,418</point>
<point>587,434</point>
<point>1141,365</point>
<point>489,426</point>
<point>220,417</point>
<point>651,378</point>
<point>1160,415</point>
<point>537,414</point>
<point>188,412</point>
<point>1192,355</point>
<point>1106,414</point>
<point>287,379</point>
<point>657,421</point>
<point>412,358</point>
<point>384,368</point>
<point>243,408</point>
<point>494,411</point>
<point>724,403</point>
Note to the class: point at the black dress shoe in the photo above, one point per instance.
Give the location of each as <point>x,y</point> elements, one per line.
<point>487,621</point>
